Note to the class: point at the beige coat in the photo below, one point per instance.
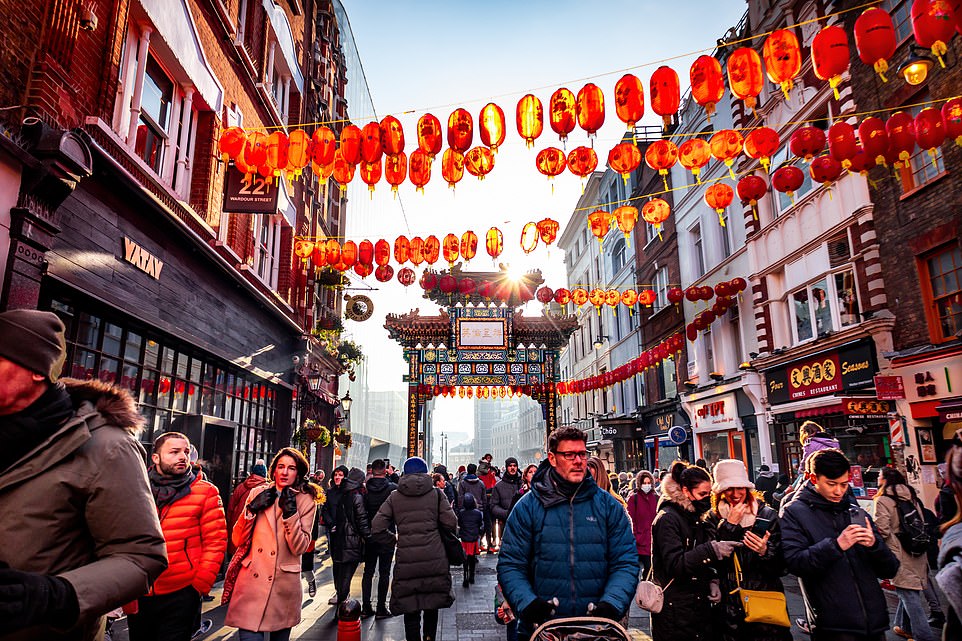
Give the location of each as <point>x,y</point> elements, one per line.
<point>267,595</point>
<point>80,507</point>
<point>913,570</point>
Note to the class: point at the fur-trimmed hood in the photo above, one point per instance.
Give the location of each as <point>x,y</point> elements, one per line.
<point>114,404</point>
<point>671,492</point>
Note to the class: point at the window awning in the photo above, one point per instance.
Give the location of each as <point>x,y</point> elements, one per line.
<point>836,408</point>
<point>950,409</point>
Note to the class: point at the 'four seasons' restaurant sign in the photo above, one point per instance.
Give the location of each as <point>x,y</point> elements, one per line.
<point>849,368</point>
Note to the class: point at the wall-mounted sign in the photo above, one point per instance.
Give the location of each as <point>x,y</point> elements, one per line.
<point>716,414</point>
<point>889,388</point>
<point>849,368</point>
<point>142,259</point>
<point>866,408</point>
<point>677,434</point>
<point>249,194</point>
<point>481,333</point>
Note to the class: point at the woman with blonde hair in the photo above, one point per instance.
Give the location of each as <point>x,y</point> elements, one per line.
<point>597,468</point>
<point>263,581</point>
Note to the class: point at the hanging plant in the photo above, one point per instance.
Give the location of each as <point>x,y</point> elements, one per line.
<point>349,355</point>
<point>323,437</point>
<point>330,278</point>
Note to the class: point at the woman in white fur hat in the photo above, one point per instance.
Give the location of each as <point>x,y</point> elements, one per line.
<point>740,514</point>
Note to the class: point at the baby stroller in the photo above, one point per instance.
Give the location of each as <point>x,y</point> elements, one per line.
<point>581,629</point>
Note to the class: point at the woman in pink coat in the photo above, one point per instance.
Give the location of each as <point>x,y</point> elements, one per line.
<point>642,507</point>
<point>277,521</point>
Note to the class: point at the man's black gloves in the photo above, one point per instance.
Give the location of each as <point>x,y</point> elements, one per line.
<point>28,599</point>
<point>288,503</point>
<point>538,611</point>
<point>263,500</point>
<point>605,611</point>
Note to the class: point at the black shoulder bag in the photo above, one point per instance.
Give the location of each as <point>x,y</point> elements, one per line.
<point>450,540</point>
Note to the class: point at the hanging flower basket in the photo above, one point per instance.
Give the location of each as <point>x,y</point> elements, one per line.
<point>323,437</point>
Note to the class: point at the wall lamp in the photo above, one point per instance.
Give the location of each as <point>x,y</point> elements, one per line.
<point>690,384</point>
<point>717,376</point>
<point>746,366</point>
<point>600,342</point>
<point>916,67</point>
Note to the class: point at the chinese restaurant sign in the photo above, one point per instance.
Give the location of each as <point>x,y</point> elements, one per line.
<point>851,367</point>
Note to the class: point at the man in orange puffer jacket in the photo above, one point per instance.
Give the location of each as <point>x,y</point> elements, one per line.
<point>192,517</point>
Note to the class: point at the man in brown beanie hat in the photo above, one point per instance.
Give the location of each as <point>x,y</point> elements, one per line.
<point>69,452</point>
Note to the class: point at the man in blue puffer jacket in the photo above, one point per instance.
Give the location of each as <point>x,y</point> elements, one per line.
<point>568,540</point>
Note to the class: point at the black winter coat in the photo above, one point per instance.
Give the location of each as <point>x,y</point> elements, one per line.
<point>378,489</point>
<point>353,528</point>
<point>758,573</point>
<point>421,578</point>
<point>472,485</point>
<point>681,553</point>
<point>502,496</point>
<point>841,588</point>
<point>470,525</point>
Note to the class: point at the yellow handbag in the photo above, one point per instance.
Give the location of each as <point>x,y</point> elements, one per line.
<point>761,606</point>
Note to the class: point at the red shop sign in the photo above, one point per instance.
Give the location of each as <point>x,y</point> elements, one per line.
<point>889,388</point>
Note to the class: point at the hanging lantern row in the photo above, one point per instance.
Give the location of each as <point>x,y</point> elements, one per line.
<point>485,391</point>
<point>378,149</point>
<point>649,358</point>
<point>489,291</point>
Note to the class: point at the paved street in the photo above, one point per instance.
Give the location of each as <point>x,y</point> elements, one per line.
<point>470,619</point>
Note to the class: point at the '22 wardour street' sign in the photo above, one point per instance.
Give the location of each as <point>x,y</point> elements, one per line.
<point>851,367</point>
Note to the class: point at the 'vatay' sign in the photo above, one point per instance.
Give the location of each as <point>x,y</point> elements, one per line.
<point>142,259</point>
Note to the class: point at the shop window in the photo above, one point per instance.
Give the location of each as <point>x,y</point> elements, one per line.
<point>267,233</point>
<point>697,249</point>
<point>716,446</point>
<point>825,306</point>
<point>942,291</point>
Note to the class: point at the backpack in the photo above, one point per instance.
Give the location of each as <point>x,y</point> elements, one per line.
<point>913,533</point>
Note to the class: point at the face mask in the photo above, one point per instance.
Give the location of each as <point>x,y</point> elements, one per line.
<point>702,505</point>
<point>646,487</point>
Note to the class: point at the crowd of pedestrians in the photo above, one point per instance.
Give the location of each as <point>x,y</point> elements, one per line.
<point>89,528</point>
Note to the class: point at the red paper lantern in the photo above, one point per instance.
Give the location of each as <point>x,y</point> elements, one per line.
<point>255,149</point>
<point>612,298</point>
<point>590,108</point>
<point>402,250</point>
<point>479,161</point>
<point>692,294</point>
<point>900,128</point>
<point>429,135</point>
<point>406,276</point>
<point>231,142</point>
<point>624,158</point>
<point>343,170</point>
<point>544,295</point>
<point>661,156</point>
<point>875,39</point>
<point>371,149</point>
<point>395,170</point>
<point>392,136</point>
<point>298,152</point>
<point>626,217</point>
<point>806,142</point>
<point>332,252</point>
<point>452,166</point>
<point>420,168</point>
<point>370,173</point>
<point>448,284</point>
<point>486,290</point>
<point>830,55</point>
<point>384,273</point>
<point>751,189</point>
<point>675,295</point>
<point>655,212</point>
<point>417,251</point>
<point>363,269</point>
<point>460,130</point>
<point>933,22</point>
<point>596,297</point>
<point>365,252</point>
<point>382,252</point>
<point>599,223</point>
<point>825,170</point>
<point>647,297</point>
<point>745,75</point>
<point>323,146</point>
<point>707,83</point>
<point>529,118</point>
<point>350,146</point>
<point>665,93</point>
<point>494,242</point>
<point>725,146</point>
<point>629,100</point>
<point>467,287</point>
<point>579,296</point>
<point>841,143</point>
<point>693,154</point>
<point>562,296</point>
<point>629,298</point>
<point>548,230</point>
<point>783,58</point>
<point>952,118</point>
<point>739,284</point>
<point>582,161</point>
<point>562,113</point>
<point>449,249</point>
<point>723,289</point>
<point>551,161</point>
<point>874,138</point>
<point>303,248</point>
<point>348,254</point>
<point>432,249</point>
<point>491,126</point>
<point>787,180</point>
<point>930,131</point>
<point>529,238</point>
<point>719,196</point>
<point>469,245</point>
<point>861,161</point>
<point>761,144</point>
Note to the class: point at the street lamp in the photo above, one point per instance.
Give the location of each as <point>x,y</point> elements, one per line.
<point>916,67</point>
<point>600,342</point>
<point>346,402</point>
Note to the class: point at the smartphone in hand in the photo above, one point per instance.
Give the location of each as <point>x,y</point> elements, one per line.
<point>761,526</point>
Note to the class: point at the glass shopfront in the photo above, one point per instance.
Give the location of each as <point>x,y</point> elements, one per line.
<point>728,444</point>
<point>169,379</point>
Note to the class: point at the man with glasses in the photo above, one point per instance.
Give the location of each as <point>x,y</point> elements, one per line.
<point>568,548</point>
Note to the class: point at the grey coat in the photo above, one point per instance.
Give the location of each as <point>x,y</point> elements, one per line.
<point>422,578</point>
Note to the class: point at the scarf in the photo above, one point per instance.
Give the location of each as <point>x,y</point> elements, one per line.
<point>168,489</point>
<point>514,479</point>
<point>23,431</point>
<point>748,518</point>
<point>565,488</point>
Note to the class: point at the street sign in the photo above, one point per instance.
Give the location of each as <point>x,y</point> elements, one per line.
<point>677,434</point>
<point>249,194</point>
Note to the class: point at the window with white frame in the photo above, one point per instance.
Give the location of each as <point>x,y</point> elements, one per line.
<point>825,305</point>
<point>709,345</point>
<point>661,288</point>
<point>725,235</point>
<point>267,248</point>
<point>155,115</point>
<point>734,324</point>
<point>698,250</point>
<point>618,255</point>
<point>667,378</point>
<point>650,233</point>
